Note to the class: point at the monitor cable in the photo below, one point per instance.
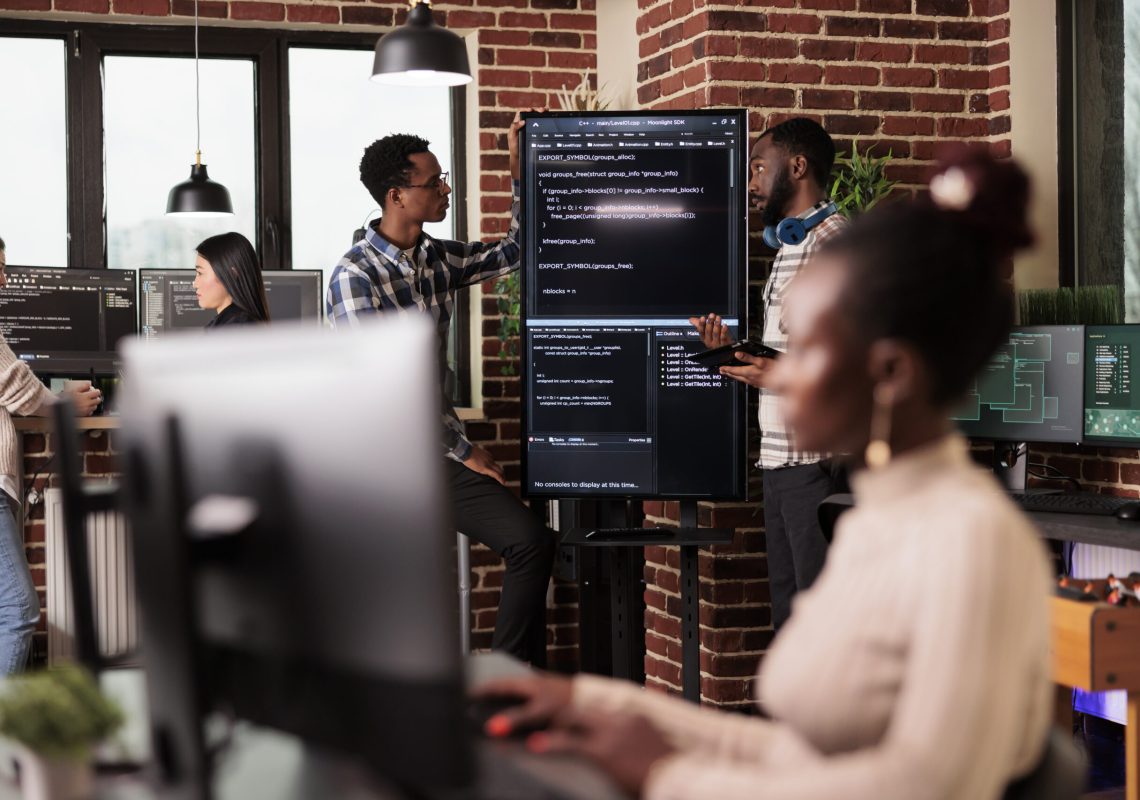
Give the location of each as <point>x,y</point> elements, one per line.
<point>35,495</point>
<point>358,234</point>
<point>1056,474</point>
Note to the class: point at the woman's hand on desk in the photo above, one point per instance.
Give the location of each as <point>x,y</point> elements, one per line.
<point>627,747</point>
<point>84,397</point>
<point>484,463</point>
<point>541,697</point>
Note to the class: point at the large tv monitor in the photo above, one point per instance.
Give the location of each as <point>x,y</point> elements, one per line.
<point>167,300</point>
<point>282,577</point>
<point>1112,408</point>
<point>1031,389</point>
<point>68,321</point>
<point>632,223</point>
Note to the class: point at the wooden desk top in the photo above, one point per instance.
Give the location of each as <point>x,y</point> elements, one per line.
<point>45,424</point>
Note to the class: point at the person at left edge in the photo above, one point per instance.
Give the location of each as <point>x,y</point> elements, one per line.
<point>398,268</point>
<point>21,394</point>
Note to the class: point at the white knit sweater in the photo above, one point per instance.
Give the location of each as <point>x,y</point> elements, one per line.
<point>916,667</point>
<point>21,393</point>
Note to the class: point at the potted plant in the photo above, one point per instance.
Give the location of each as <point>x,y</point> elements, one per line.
<point>55,717</point>
<point>860,182</point>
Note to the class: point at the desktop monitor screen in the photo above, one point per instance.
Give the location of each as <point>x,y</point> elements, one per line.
<point>299,584</point>
<point>167,300</point>
<point>632,223</point>
<point>68,321</point>
<point>1112,410</point>
<point>1031,389</point>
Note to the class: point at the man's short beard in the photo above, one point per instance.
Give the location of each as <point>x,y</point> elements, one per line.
<point>779,198</point>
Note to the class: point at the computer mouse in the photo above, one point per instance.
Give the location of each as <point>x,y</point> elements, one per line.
<point>1129,512</point>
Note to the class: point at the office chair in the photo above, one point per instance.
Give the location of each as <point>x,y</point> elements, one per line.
<point>1060,775</point>
<point>830,510</point>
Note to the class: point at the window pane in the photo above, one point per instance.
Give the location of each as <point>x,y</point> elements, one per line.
<point>150,142</point>
<point>33,139</point>
<point>335,111</point>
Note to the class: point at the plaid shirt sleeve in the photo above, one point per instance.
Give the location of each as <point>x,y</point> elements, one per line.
<point>475,262</point>
<point>350,295</point>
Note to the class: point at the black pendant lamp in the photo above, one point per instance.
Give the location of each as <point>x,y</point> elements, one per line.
<point>421,53</point>
<point>199,196</point>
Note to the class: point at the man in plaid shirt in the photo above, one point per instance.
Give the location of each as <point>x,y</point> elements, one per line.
<point>398,268</point>
<point>790,167</point>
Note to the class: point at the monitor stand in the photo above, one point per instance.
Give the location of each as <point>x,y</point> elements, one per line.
<point>1010,465</point>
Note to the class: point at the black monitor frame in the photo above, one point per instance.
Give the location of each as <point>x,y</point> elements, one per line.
<point>145,272</point>
<point>104,363</point>
<point>286,273</point>
<point>741,288</point>
<point>1021,439</point>
<point>1096,441</point>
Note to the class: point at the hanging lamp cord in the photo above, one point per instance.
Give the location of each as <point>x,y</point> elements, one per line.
<point>197,96</point>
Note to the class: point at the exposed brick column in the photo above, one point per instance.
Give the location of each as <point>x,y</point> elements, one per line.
<point>904,75</point>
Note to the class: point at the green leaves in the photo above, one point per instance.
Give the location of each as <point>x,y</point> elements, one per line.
<point>57,713</point>
<point>1086,305</point>
<point>509,304</point>
<point>858,183</point>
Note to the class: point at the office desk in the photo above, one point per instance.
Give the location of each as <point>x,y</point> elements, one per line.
<point>1088,529</point>
<point>266,765</point>
<point>262,764</point>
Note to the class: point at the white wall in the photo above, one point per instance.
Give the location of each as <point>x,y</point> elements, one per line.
<point>617,52</point>
<point>1033,108</point>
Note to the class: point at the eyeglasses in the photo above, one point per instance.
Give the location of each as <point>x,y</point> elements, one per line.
<point>436,184</point>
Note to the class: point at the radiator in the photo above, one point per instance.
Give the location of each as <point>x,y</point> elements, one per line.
<point>112,582</point>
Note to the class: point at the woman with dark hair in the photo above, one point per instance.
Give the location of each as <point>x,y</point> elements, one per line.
<point>228,280</point>
<point>917,665</point>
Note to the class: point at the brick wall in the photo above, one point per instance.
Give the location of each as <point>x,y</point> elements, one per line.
<point>98,452</point>
<point>527,50</point>
<point>903,75</point>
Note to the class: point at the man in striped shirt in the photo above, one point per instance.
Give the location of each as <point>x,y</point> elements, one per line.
<point>790,167</point>
<point>397,268</point>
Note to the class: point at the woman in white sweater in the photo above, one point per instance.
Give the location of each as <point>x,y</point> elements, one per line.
<point>21,393</point>
<point>917,665</point>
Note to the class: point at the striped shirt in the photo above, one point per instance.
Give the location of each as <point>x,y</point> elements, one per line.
<point>776,446</point>
<point>376,276</point>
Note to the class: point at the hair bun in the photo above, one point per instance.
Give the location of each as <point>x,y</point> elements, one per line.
<point>992,197</point>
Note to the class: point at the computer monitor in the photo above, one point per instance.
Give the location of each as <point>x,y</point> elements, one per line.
<point>1112,409</point>
<point>298,582</point>
<point>1031,389</point>
<point>167,300</point>
<point>68,322</point>
<point>632,223</point>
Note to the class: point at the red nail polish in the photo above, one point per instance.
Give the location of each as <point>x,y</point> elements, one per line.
<point>498,726</point>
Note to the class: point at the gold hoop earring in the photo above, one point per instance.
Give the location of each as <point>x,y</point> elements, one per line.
<point>878,453</point>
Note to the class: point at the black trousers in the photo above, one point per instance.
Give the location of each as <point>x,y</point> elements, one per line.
<point>796,546</point>
<point>487,512</point>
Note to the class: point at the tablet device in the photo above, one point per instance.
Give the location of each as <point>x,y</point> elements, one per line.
<point>726,355</point>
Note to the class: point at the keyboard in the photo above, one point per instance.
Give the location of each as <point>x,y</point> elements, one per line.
<point>1077,503</point>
